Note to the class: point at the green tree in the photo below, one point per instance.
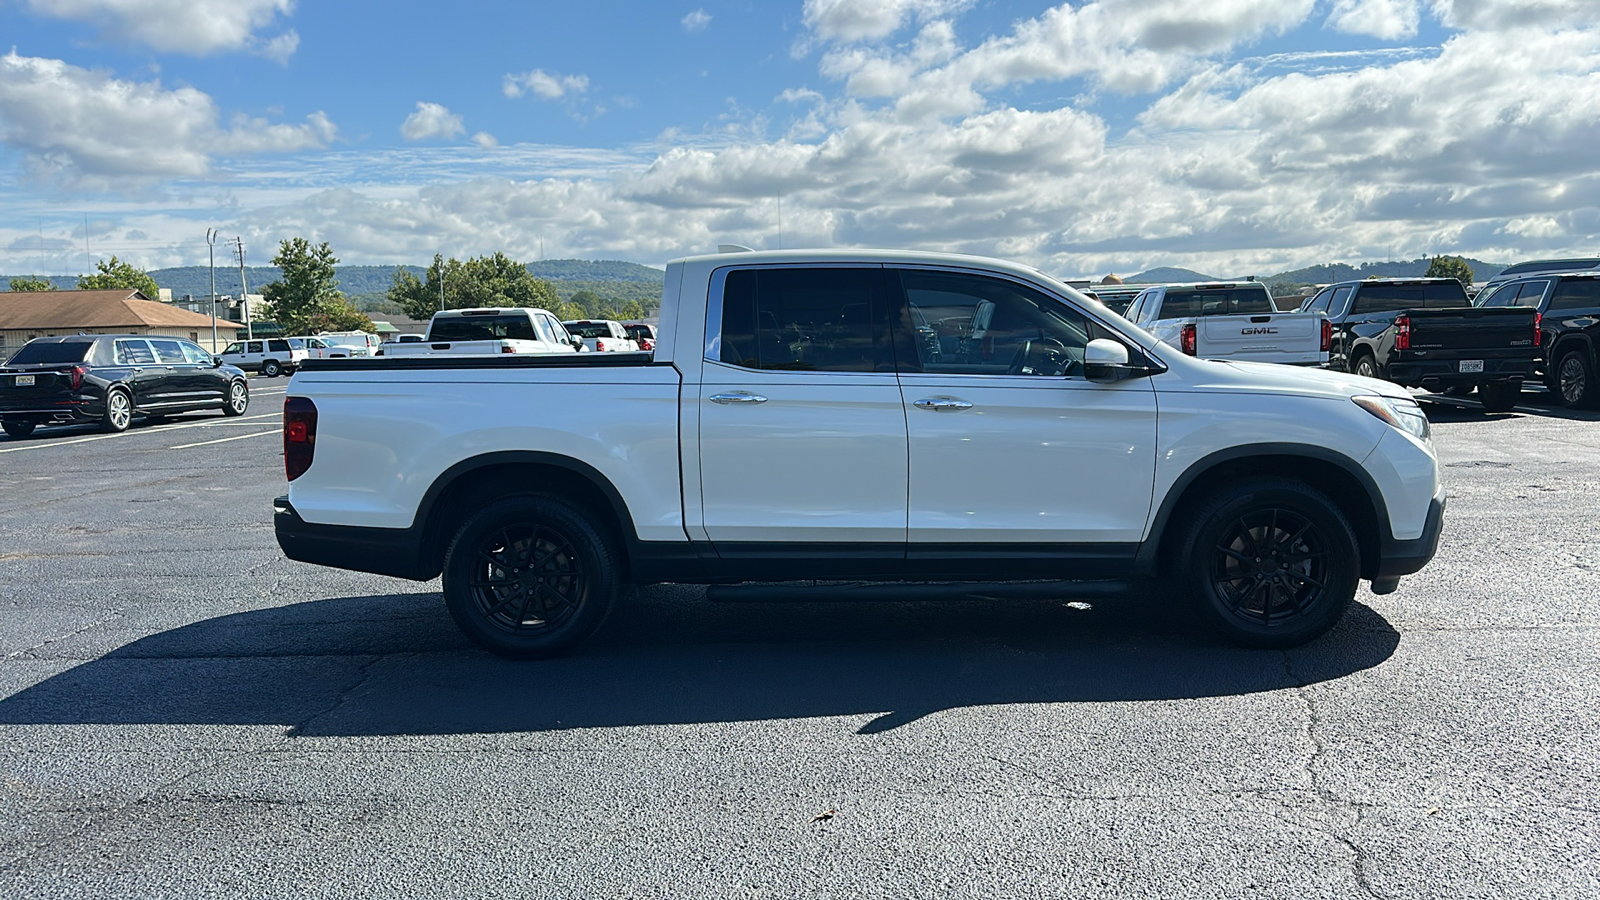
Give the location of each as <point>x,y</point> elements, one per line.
<point>588,302</point>
<point>32,284</point>
<point>631,311</point>
<point>483,281</point>
<point>1451,267</point>
<point>118,275</point>
<point>308,299</point>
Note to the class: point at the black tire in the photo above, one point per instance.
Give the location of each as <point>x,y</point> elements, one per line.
<point>1365,366</point>
<point>1268,562</point>
<point>1500,396</point>
<point>530,577</point>
<point>19,429</point>
<point>238,399</point>
<point>118,414</point>
<point>271,369</point>
<point>1572,380</point>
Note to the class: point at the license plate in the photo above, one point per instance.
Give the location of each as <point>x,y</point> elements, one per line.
<point>1472,365</point>
<point>24,381</point>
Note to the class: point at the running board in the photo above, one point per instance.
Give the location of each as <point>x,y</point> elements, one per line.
<point>916,591</point>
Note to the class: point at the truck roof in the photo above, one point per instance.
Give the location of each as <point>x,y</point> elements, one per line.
<point>827,255</point>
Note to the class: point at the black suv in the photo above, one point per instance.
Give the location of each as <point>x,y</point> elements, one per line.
<point>1422,332</point>
<point>1567,305</point>
<point>108,379</point>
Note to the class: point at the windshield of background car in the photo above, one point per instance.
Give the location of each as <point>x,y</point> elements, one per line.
<point>597,330</point>
<point>1182,303</point>
<point>1391,297</point>
<point>483,328</point>
<point>235,347</point>
<point>66,352</point>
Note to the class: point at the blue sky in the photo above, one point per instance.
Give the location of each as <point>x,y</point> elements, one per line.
<point>1229,136</point>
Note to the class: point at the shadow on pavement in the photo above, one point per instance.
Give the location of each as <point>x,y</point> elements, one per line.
<point>1535,401</point>
<point>395,665</point>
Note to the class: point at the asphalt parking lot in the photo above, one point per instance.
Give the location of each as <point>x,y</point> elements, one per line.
<point>183,712</point>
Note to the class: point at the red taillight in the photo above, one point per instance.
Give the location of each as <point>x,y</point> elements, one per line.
<point>646,344</point>
<point>1402,333</point>
<point>508,349</point>
<point>600,345</point>
<point>1327,335</point>
<point>77,373</point>
<point>1188,340</point>
<point>1538,324</point>
<point>299,435</point>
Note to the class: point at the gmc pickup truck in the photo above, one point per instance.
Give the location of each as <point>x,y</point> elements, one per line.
<point>1231,320</point>
<point>796,422</point>
<point>1422,332</point>
<point>488,330</point>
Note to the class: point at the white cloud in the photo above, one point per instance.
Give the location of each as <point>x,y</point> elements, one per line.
<point>1491,15</point>
<point>485,140</point>
<point>863,20</point>
<point>547,85</point>
<point>199,27</point>
<point>1386,19</point>
<point>697,20</point>
<point>431,120</point>
<point>88,127</point>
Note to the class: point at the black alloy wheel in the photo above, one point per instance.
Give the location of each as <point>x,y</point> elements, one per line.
<point>119,411</point>
<point>271,369</point>
<point>18,429</point>
<point>1574,380</point>
<point>238,398</point>
<point>1272,562</point>
<point>1366,366</point>
<point>530,577</point>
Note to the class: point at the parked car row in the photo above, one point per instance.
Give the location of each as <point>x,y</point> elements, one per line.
<point>110,380</point>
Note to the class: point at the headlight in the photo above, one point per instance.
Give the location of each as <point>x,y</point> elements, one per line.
<point>1405,415</point>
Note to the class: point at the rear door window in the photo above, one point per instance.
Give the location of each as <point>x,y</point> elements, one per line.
<point>805,319</point>
<point>169,353</point>
<point>253,347</point>
<point>1577,294</point>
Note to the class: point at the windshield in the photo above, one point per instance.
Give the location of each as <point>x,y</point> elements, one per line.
<point>482,328</point>
<point>1181,303</point>
<point>590,330</point>
<point>52,352</point>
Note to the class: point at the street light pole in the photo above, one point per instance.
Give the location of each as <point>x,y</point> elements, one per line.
<point>211,242</point>
<point>244,288</point>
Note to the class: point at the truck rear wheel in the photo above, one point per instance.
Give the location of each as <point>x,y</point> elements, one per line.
<point>1269,562</point>
<point>530,577</point>
<point>1366,366</point>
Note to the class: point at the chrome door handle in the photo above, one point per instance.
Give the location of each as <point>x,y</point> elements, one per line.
<point>942,404</point>
<point>738,397</point>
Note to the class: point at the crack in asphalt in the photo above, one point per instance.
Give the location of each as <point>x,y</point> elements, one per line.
<point>27,652</point>
<point>363,675</point>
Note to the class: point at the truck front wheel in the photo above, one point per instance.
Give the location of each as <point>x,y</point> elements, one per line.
<point>530,577</point>
<point>1269,562</point>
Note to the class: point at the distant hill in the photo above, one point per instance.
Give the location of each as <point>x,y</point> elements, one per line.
<point>1168,275</point>
<point>1327,274</point>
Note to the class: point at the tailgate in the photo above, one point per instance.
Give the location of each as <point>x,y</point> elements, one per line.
<point>1472,330</point>
<point>23,386</point>
<point>1275,337</point>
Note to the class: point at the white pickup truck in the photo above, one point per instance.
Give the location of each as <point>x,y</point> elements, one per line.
<point>797,423</point>
<point>1231,320</point>
<point>488,331</point>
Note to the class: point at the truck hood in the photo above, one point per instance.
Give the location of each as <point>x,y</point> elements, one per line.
<point>1267,378</point>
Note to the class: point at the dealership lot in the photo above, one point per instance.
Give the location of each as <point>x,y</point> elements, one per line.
<point>184,712</point>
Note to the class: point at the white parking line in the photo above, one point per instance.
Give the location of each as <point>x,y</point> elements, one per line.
<point>237,437</point>
<point>160,430</point>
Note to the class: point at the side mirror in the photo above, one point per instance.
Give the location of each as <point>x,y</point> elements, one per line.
<point>1106,362</point>
<point>577,343</point>
<point>216,362</point>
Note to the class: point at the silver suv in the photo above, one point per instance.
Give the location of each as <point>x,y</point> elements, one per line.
<point>271,356</point>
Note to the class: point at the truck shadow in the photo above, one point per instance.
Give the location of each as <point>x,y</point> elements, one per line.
<point>395,665</point>
<point>1535,401</point>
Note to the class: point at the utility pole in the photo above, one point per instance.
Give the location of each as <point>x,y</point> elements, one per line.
<point>211,243</point>
<point>441,283</point>
<point>244,289</point>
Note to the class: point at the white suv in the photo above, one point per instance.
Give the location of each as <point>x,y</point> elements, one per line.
<point>269,356</point>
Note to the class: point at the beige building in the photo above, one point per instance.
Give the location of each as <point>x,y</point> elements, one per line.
<point>25,315</point>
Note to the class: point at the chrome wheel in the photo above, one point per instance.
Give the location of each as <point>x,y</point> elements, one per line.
<point>238,398</point>
<point>119,411</point>
<point>1366,368</point>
